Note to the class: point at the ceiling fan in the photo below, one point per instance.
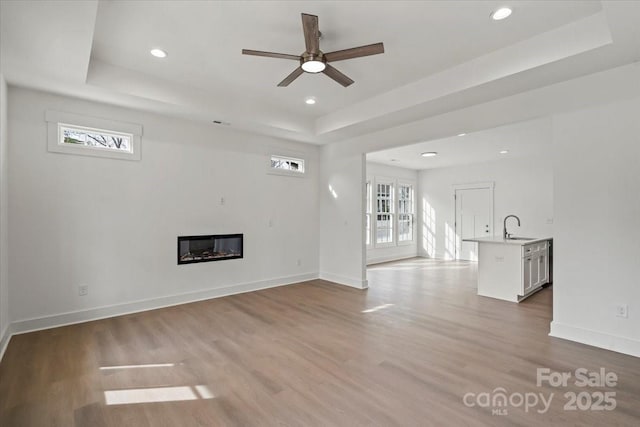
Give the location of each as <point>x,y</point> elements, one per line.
<point>313,60</point>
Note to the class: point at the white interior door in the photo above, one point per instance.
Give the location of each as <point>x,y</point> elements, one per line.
<point>474,211</point>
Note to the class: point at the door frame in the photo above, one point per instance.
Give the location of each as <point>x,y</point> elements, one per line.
<point>488,185</point>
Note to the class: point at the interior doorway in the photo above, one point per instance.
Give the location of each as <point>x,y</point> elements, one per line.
<point>474,217</point>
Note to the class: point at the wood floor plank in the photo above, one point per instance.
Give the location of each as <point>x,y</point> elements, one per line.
<point>402,353</point>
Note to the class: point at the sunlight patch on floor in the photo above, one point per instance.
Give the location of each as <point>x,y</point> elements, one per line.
<point>374,309</point>
<point>157,394</point>
<point>151,365</point>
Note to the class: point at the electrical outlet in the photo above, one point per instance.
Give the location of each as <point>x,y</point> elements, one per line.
<point>83,290</point>
<point>222,200</point>
<point>622,310</point>
<point>299,262</point>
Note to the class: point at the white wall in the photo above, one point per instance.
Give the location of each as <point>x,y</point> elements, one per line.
<point>342,247</point>
<point>523,187</point>
<point>597,214</point>
<point>4,236</point>
<point>389,253</point>
<point>112,224</point>
<point>178,155</point>
<point>580,323</point>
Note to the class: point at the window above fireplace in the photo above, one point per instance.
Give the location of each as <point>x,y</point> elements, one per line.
<point>283,165</point>
<point>92,136</point>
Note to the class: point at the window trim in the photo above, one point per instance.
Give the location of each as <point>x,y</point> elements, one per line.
<point>392,182</point>
<point>285,172</point>
<point>57,119</point>
<point>368,211</point>
<point>411,184</point>
<point>396,183</point>
<point>63,126</point>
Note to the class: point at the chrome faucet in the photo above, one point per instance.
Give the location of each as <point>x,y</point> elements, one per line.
<point>506,235</point>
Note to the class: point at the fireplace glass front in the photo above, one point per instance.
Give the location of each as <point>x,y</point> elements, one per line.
<point>219,247</point>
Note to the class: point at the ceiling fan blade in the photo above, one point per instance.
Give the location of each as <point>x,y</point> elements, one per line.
<point>291,77</point>
<point>355,52</point>
<point>270,54</point>
<point>311,33</point>
<point>337,76</point>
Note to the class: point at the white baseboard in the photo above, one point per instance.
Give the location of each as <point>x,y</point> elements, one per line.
<point>344,280</point>
<point>5,336</point>
<point>440,257</point>
<point>437,256</point>
<point>97,313</point>
<point>380,260</point>
<point>79,316</point>
<point>595,338</point>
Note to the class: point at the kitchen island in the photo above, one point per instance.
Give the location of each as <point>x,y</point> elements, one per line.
<point>512,269</point>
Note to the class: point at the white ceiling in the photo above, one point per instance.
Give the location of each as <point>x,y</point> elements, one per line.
<point>438,56</point>
<point>205,40</point>
<point>531,139</point>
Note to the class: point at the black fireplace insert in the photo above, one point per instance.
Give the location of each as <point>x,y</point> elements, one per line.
<point>217,247</point>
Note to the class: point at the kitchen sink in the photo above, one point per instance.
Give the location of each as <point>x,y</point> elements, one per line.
<point>521,238</point>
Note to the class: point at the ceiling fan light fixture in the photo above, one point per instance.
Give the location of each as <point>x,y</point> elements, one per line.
<point>313,66</point>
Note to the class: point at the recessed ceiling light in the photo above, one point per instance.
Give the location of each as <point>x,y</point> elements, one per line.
<point>501,13</point>
<point>394,160</point>
<point>310,100</point>
<point>504,152</point>
<point>461,134</point>
<point>429,154</point>
<point>158,53</point>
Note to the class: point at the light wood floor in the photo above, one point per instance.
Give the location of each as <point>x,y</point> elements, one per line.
<point>403,353</point>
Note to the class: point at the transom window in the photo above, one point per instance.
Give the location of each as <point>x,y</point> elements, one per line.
<point>94,138</point>
<point>289,164</point>
<point>81,135</point>
<point>384,213</point>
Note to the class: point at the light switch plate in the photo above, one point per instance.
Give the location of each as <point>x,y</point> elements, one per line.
<point>622,310</point>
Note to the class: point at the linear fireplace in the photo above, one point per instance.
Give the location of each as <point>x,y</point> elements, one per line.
<point>209,248</point>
